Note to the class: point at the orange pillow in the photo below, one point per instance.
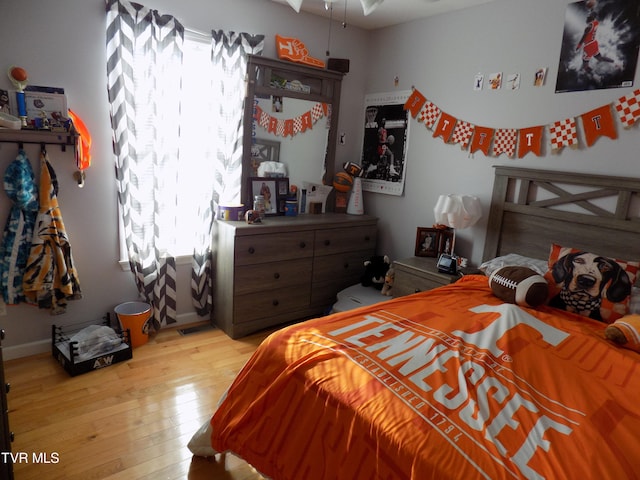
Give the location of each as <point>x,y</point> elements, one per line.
<point>588,284</point>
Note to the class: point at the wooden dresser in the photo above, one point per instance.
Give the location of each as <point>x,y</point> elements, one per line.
<point>287,268</point>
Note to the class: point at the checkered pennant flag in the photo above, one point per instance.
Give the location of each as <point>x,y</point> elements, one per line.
<point>563,133</point>
<point>265,118</point>
<point>505,141</point>
<point>280,128</point>
<point>429,114</point>
<point>297,125</point>
<point>628,108</point>
<point>317,112</point>
<point>462,134</point>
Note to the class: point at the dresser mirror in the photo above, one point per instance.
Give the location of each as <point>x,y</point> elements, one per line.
<point>302,154</point>
<point>285,92</point>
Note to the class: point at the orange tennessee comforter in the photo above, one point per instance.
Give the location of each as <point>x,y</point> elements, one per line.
<point>450,383</point>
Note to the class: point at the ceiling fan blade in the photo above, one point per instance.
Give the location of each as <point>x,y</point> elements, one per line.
<point>295,4</point>
<point>368,6</point>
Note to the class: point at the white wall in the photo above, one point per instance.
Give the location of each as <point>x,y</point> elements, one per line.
<point>440,56</point>
<point>62,44</point>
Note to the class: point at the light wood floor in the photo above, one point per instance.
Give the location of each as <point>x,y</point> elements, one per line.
<point>128,421</point>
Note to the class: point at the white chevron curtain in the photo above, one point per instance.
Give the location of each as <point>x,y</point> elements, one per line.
<point>144,71</point>
<point>229,55</point>
<point>144,54</point>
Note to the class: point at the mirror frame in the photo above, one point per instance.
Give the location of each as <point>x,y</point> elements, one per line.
<point>326,88</point>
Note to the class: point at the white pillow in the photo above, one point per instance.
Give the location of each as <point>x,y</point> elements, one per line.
<point>513,259</point>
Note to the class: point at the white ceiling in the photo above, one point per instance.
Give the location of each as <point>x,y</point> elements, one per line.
<point>390,12</point>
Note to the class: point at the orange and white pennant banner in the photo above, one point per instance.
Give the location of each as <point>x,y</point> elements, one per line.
<point>288,128</point>
<point>415,102</point>
<point>273,125</point>
<point>445,127</point>
<point>482,138</point>
<point>462,134</point>
<point>318,111</point>
<point>429,114</point>
<point>628,109</point>
<point>505,141</point>
<point>597,123</point>
<point>530,140</point>
<point>563,133</point>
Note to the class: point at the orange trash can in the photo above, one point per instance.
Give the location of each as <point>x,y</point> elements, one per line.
<point>135,316</point>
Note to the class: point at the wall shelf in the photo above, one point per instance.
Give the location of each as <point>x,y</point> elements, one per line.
<point>41,137</point>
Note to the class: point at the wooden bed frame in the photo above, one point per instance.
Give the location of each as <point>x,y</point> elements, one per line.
<point>531,209</point>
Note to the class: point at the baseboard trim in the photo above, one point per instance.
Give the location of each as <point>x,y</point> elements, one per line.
<point>26,349</point>
<point>43,346</point>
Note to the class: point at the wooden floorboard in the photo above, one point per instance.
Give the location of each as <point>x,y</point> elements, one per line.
<point>131,420</point>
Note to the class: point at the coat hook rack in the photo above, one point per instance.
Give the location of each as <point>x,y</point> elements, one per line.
<point>38,137</point>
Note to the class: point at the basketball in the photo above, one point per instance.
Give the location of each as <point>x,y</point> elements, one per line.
<point>19,74</point>
<point>342,182</point>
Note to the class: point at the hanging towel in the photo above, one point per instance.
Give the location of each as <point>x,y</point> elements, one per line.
<point>20,186</point>
<point>50,277</point>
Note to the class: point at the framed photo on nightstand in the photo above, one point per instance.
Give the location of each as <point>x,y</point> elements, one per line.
<point>445,241</point>
<point>427,242</point>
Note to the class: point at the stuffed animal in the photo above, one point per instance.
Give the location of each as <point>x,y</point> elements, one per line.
<point>375,270</point>
<point>388,282</point>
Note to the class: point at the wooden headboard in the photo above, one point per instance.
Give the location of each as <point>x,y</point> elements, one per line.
<point>531,209</point>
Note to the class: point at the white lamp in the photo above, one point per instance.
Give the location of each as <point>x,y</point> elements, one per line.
<point>457,212</point>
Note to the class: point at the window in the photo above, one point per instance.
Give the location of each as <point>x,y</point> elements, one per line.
<point>195,171</point>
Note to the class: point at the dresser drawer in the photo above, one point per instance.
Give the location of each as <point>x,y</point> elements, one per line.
<point>271,303</point>
<point>272,275</point>
<point>341,267</point>
<point>406,283</point>
<point>273,247</point>
<point>348,239</point>
<point>333,273</point>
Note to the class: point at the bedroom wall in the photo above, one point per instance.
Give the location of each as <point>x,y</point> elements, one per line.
<point>62,44</point>
<point>440,56</point>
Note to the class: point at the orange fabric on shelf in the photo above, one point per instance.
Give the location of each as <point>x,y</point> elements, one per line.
<point>83,148</point>
<point>450,383</point>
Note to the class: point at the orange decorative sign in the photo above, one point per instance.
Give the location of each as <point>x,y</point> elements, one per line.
<point>292,49</point>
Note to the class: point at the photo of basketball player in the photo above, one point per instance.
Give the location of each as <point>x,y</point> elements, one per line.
<point>600,45</point>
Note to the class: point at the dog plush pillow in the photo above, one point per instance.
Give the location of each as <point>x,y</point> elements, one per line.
<point>590,285</point>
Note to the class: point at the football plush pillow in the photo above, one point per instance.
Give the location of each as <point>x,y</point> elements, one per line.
<point>520,285</point>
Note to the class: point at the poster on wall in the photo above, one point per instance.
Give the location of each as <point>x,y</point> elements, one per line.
<point>600,45</point>
<point>384,148</point>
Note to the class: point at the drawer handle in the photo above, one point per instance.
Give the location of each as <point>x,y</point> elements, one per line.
<point>302,244</point>
<point>252,250</point>
<point>327,243</point>
<point>12,436</point>
<point>276,275</point>
<point>7,387</point>
<point>2,334</point>
<point>275,302</point>
<point>417,290</point>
